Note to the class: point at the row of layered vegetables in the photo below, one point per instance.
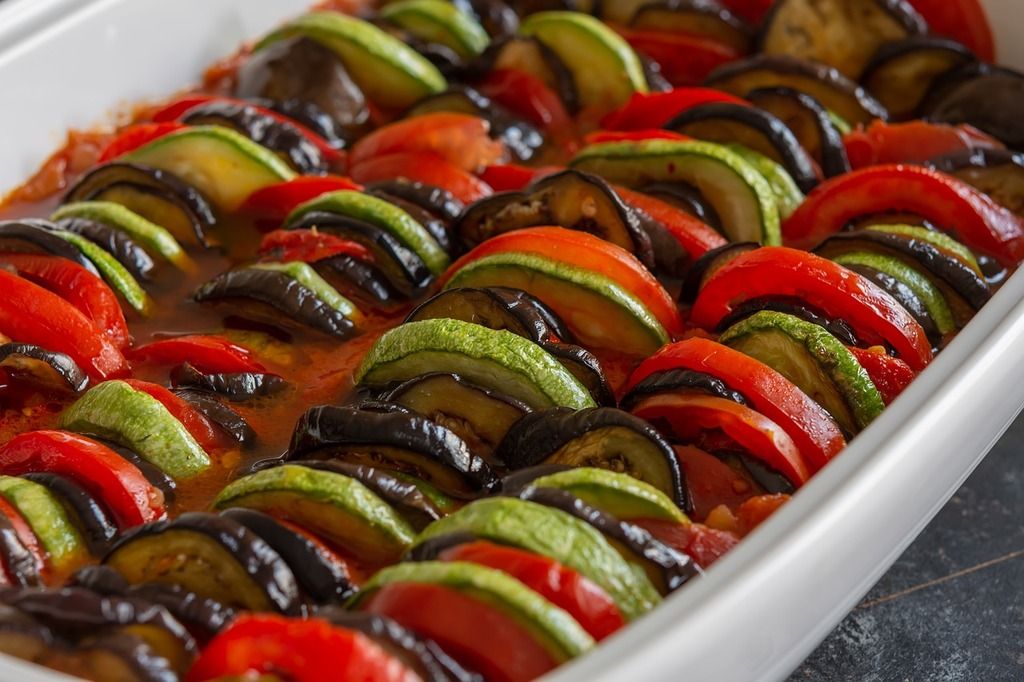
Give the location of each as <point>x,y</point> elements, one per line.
<point>592,366</point>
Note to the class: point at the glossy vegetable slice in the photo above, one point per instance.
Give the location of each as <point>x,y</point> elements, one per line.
<point>619,494</point>
<point>48,520</point>
<point>439,22</point>
<point>145,233</point>
<point>208,353</point>
<point>115,274</point>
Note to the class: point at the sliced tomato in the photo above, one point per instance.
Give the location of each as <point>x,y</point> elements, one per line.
<point>460,139</point>
<point>944,201</point>
<point>115,481</point>
<point>528,96</point>
<point>684,59</point>
<point>31,314</point>
<point>773,395</point>
<point>693,235</point>
<point>309,246</point>
<point>475,633</point>
<point>839,293</point>
<point>702,544</point>
<point>889,375</point>
<point>274,202</point>
<point>588,252</point>
<point>428,168</point>
<point>601,136</point>
<point>194,421</point>
<point>507,177</point>
<point>756,511</point>
<point>207,353</point>
<point>912,142</point>
<point>26,535</point>
<point>753,11</point>
<point>652,110</point>
<point>134,136</point>
<point>76,285</point>
<point>962,20</point>
<point>307,650</point>
<point>711,482</point>
<point>578,596</point>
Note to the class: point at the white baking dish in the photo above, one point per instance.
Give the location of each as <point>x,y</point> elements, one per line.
<point>765,606</point>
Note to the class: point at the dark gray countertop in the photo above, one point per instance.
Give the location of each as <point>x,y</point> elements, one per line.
<point>952,607</point>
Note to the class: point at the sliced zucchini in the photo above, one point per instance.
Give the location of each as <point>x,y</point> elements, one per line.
<point>599,311</point>
<point>940,240</point>
<point>48,520</point>
<point>339,508</point>
<point>788,196</point>
<point>618,494</point>
<point>125,251</point>
<point>308,277</point>
<point>113,272</point>
<point>814,360</point>
<point>224,165</point>
<point>604,67</point>
<point>740,195</point>
<point>116,411</point>
<point>812,124</point>
<point>384,215</point>
<point>31,235</point>
<point>534,57</point>
<point>498,360</point>
<point>436,21</point>
<point>391,74</point>
<point>83,510</point>
<point>149,235</point>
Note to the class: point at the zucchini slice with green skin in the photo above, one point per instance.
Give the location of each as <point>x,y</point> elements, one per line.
<point>555,534</point>
<point>740,195</point>
<point>818,363</point>
<point>47,518</point>
<point>499,360</point>
<point>940,240</point>
<point>555,630</point>
<point>436,21</point>
<point>113,273</point>
<point>617,494</point>
<point>598,310</point>
<point>116,411</point>
<point>391,73</point>
<point>339,508</point>
<point>604,67</point>
<point>143,232</point>
<point>788,196</point>
<point>224,165</point>
<point>383,214</point>
<point>308,277</point>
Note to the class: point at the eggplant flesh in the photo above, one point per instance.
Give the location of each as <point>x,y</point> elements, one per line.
<point>48,367</point>
<point>279,291</point>
<point>681,381</point>
<point>810,123</point>
<point>87,513</point>
<point>708,264</point>
<point>533,57</point>
<point>605,438</point>
<point>586,367</point>
<point>37,236</point>
<point>19,565</point>
<point>123,248</point>
<point>571,199</point>
<point>996,172</point>
<point>696,17</point>
<point>492,307</point>
<point>992,103</point>
<point>229,421</point>
<point>213,557</point>
<point>237,386</point>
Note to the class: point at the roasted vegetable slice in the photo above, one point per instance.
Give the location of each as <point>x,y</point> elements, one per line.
<point>695,17</point>
<point>235,386</point>
<point>999,174</point>
<point>123,248</point>
<point>40,236</point>
<point>988,100</point>
<point>49,368</point>
<point>143,232</point>
<point>83,510</point>
<point>47,518</point>
<point>229,421</point>
<point>513,310</point>
<point>439,22</point>
<point>21,565</point>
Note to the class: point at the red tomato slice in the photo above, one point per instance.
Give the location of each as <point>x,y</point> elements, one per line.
<point>118,483</point>
<point>461,140</point>
<point>647,111</point>
<point>194,421</point>
<point>308,650</point>
<point>756,511</point>
<point>962,20</point>
<point>601,136</point>
<point>135,136</point>
<point>777,271</point>
<point>773,395</point>
<point>690,415</point>
<point>476,634</point>
<point>577,595</point>
<point>25,534</point>
<point>504,177</point>
<point>702,544</point>
<point>274,202</point>
<point>753,11</point>
<point>309,246</point>
<point>209,354</point>
<point>31,314</point>
<point>79,287</point>
<point>889,375</point>
<point>693,235</point>
<point>428,168</point>
<point>913,142</point>
<point>684,59</point>
<point>953,205</point>
<point>589,252</point>
<point>528,96</point>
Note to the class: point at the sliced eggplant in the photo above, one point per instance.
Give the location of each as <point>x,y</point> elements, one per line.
<point>436,200</point>
<point>571,199</point>
<point>309,115</point>
<point>229,421</point>
<point>446,59</point>
<point>494,308</point>
<point>407,443</point>
<point>211,556</point>
<point>496,16</point>
<point>844,34</point>
<point>687,198</point>
<point>47,367</point>
<point>680,381</point>
<point>900,73</point>
<point>157,195</point>
<point>403,267</point>
<point>283,293</point>
<point>115,656</point>
<point>835,91</point>
<point>480,416</point>
<point>992,101</point>
<point>438,229</point>
<point>996,172</point>
<point>24,637</point>
<point>154,474</point>
<point>797,308</point>
<point>666,568</point>
<point>303,70</point>
<point>30,235</point>
<point>753,128</point>
<point>84,510</point>
<point>586,367</point>
<point>360,280</point>
<point>237,387</point>
<point>704,18</point>
<point>18,564</point>
<point>899,290</point>
<point>708,264</point>
<point>322,577</point>
<point>810,123</point>
<point>123,248</point>
<point>604,438</point>
<point>532,56</point>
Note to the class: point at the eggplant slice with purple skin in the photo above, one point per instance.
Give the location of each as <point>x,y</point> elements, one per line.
<point>19,565</point>
<point>32,235</point>
<point>436,200</point>
<point>753,128</point>
<point>406,443</point>
<point>710,263</point>
<point>680,381</point>
<point>496,16</point>
<point>704,18</point>
<point>900,73</point>
<point>998,173</point>
<point>152,473</point>
<point>118,244</point>
<point>905,296</point>
<point>795,307</point>
<point>157,195</point>
<point>603,437</point>
<point>238,387</point>
<point>212,556</point>
<point>844,34</point>
<point>306,114</point>
<point>359,280</point>
<point>83,509</point>
<point>686,198</point>
<point>988,98</point>
<point>532,56</point>
<point>571,199</point>
<point>227,419</point>
<point>47,367</point>
<point>437,228</point>
<point>835,91</point>
<point>810,123</point>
